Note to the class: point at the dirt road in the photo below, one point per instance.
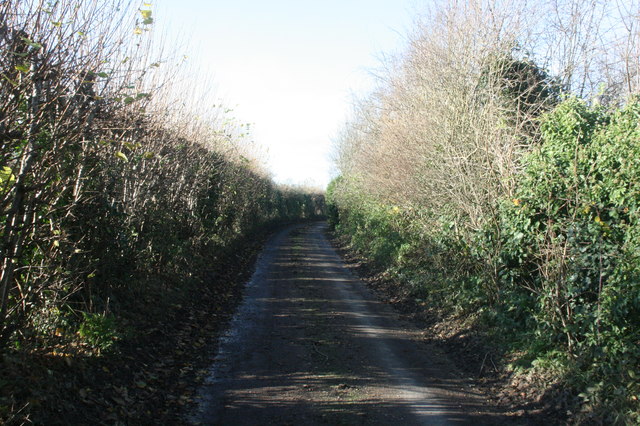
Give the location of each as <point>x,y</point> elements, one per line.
<point>311,345</point>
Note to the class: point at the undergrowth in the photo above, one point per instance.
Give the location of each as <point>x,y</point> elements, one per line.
<point>553,276</point>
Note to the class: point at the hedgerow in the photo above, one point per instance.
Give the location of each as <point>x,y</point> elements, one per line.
<point>560,268</point>
<point>109,189</point>
<point>570,243</point>
<point>497,192</point>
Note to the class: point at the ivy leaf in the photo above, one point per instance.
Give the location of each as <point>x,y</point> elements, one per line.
<point>23,68</point>
<point>146,16</point>
<point>31,43</point>
<point>131,145</point>
<point>121,156</point>
<point>6,177</point>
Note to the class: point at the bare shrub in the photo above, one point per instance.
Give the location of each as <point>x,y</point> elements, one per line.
<point>441,133</point>
<point>452,115</point>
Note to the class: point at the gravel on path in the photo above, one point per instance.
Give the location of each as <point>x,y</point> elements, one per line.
<point>310,344</point>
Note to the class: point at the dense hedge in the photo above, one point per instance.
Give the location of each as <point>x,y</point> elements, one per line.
<point>108,189</point>
<point>570,240</point>
<point>556,271</point>
<point>493,173</point>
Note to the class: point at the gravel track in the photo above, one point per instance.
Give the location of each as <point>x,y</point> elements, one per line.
<point>310,344</point>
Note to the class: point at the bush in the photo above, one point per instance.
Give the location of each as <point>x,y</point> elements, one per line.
<point>109,191</point>
<point>570,240</point>
<point>98,330</point>
<point>513,203</point>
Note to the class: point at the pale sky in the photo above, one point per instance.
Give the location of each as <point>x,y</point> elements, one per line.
<point>290,67</point>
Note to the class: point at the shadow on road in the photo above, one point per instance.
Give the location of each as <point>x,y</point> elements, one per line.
<point>311,345</point>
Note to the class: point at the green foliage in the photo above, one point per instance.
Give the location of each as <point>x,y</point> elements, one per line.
<point>570,239</point>
<point>102,201</point>
<point>427,253</point>
<point>373,229</point>
<point>7,178</point>
<point>376,233</point>
<point>333,215</point>
<point>98,330</point>
<point>556,272</point>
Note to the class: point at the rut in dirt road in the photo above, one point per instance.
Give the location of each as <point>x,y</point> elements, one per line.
<point>311,345</point>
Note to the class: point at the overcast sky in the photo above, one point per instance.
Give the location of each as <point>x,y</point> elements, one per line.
<point>289,67</point>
